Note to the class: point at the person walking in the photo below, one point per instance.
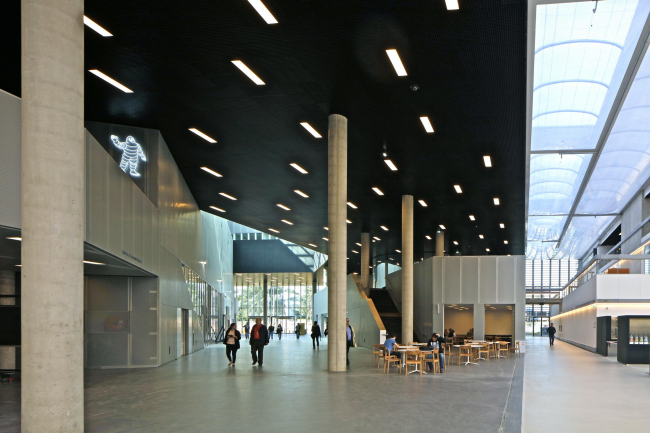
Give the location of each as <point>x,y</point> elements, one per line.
<point>259,339</point>
<point>351,340</point>
<point>315,335</point>
<point>232,343</point>
<point>279,331</point>
<point>298,331</point>
<point>246,329</point>
<point>551,333</point>
<point>271,329</point>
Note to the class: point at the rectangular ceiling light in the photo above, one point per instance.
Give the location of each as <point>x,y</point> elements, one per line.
<point>390,164</point>
<point>311,130</point>
<point>428,237</point>
<point>487,160</point>
<point>505,242</point>
<point>274,230</point>
<point>487,249</point>
<point>227,196</point>
<point>88,262</point>
<point>326,239</point>
<point>398,251</point>
<point>287,222</point>
<point>313,245</point>
<point>496,201</point>
<point>377,190</point>
<point>455,243</point>
<point>212,172</point>
<point>355,251</point>
<point>502,225</point>
<point>384,228</point>
<point>352,205</point>
<point>218,209</point>
<point>452,5</point>
<point>281,206</point>
<point>300,193</point>
<point>358,244</point>
<point>376,238</point>
<point>348,221</point>
<point>458,190</point>
<point>263,11</point>
<point>326,228</point>
<point>203,136</point>
<point>397,62</point>
<point>299,168</point>
<point>423,203</point>
<point>480,236</point>
<point>15,238</point>
<point>250,74</point>
<point>111,81</point>
<point>96,27</point>
<point>442,227</point>
<point>471,217</point>
<point>427,124</point>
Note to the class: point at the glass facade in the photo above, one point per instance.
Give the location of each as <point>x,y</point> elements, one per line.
<point>207,303</point>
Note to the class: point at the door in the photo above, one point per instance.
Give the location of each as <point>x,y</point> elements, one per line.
<point>185,333</point>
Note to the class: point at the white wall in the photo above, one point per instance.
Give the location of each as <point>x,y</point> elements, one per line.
<point>10,154</point>
<point>578,326</point>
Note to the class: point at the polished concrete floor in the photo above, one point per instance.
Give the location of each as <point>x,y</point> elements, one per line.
<point>293,392</point>
<point>567,389</point>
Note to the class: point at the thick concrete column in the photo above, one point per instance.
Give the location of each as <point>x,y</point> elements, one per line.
<point>52,215</point>
<point>440,243</point>
<point>479,322</point>
<point>337,162</point>
<point>407,268</point>
<point>365,260</point>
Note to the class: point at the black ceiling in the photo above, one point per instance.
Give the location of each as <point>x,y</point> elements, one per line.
<point>324,57</point>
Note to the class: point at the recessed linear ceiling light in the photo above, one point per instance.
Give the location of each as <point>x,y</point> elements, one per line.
<point>88,262</point>
<point>111,81</point>
<point>263,11</point>
<point>355,251</point>
<point>281,206</point>
<point>487,249</point>
<point>300,193</point>
<point>203,136</point>
<point>428,237</point>
<point>390,258</point>
<point>212,172</point>
<point>326,239</point>
<point>326,228</point>
<point>96,27</point>
<point>352,205</point>
<point>390,164</point>
<point>496,201</point>
<point>274,230</point>
<point>348,221</point>
<point>458,190</point>
<point>452,5</point>
<point>227,196</point>
<point>480,236</point>
<point>250,74</point>
<point>217,209</point>
<point>313,245</point>
<point>455,243</point>
<point>376,238</point>
<point>397,62</point>
<point>427,124</point>
<point>299,168</point>
<point>311,130</point>
<point>443,227</point>
<point>502,225</point>
<point>505,242</point>
<point>487,160</point>
<point>358,244</point>
<point>384,228</point>
<point>471,217</point>
<point>423,203</point>
<point>398,251</point>
<point>287,222</point>
<point>15,238</point>
<point>377,190</point>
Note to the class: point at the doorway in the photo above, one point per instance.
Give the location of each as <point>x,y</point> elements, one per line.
<point>185,332</point>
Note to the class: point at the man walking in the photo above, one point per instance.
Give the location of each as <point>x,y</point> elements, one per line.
<point>351,340</point>
<point>246,329</point>
<point>315,335</point>
<point>259,339</point>
<point>551,334</point>
<point>298,327</point>
<point>279,331</point>
<point>271,329</point>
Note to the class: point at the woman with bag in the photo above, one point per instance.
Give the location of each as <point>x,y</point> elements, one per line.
<point>231,340</point>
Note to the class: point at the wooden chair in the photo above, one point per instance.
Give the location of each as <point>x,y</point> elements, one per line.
<point>492,348</point>
<point>485,349</point>
<point>413,357</point>
<point>377,352</point>
<point>465,351</point>
<point>388,359</point>
<point>516,349</point>
<point>502,346</point>
<point>448,354</point>
<point>435,360</point>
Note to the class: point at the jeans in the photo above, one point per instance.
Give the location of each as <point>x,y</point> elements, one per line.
<point>315,341</point>
<point>231,349</point>
<point>551,338</point>
<point>441,356</point>
<point>257,351</point>
<point>271,335</point>
<point>279,335</point>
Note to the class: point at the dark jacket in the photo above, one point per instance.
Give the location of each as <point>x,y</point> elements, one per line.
<point>315,331</point>
<point>264,335</point>
<point>441,340</point>
<point>278,330</point>
<point>237,338</point>
<point>551,330</point>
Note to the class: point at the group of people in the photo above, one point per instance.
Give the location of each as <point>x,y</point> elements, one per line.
<point>435,342</point>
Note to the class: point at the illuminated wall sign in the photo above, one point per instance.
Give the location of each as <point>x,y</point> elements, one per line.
<point>131,155</point>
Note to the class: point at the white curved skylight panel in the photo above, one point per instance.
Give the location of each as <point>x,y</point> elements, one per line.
<point>582,233</point>
<point>553,184</point>
<point>568,103</point>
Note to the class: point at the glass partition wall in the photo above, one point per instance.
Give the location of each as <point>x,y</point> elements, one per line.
<point>289,299</point>
<point>207,303</point>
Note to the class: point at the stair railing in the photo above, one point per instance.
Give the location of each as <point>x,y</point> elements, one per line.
<point>396,299</point>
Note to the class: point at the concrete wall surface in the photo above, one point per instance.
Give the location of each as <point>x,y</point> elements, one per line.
<point>577,327</point>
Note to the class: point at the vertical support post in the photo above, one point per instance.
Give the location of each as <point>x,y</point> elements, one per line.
<point>479,322</point>
<point>407,268</point>
<point>337,162</point>
<point>52,215</point>
<point>440,243</point>
<point>365,260</point>
<point>266,301</point>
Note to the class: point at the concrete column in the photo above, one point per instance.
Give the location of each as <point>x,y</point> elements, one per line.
<point>407,268</point>
<point>337,178</point>
<point>265,320</point>
<point>479,322</point>
<point>440,244</point>
<point>52,384</point>
<point>365,260</point>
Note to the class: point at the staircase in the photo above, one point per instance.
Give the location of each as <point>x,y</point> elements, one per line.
<point>388,312</point>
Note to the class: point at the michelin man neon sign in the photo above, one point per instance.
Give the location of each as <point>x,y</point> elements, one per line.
<point>132,153</point>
